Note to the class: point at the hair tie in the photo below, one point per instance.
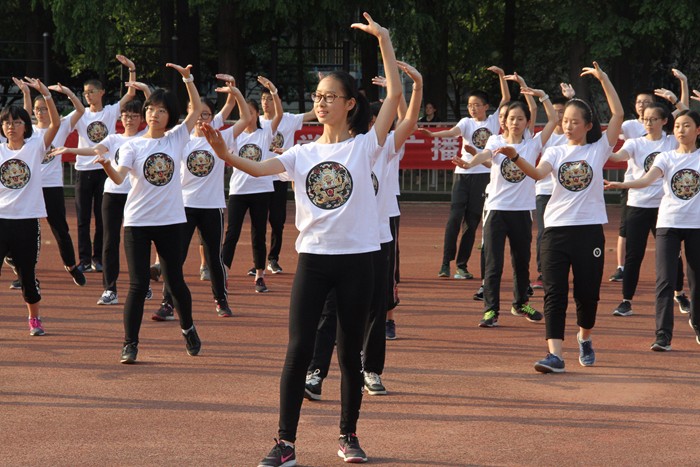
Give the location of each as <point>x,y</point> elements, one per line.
<point>588,106</point>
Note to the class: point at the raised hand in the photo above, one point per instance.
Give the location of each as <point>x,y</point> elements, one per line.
<point>226,77</point>
<point>228,89</point>
<point>517,78</point>
<point>696,95</point>
<point>679,74</point>
<point>372,27</point>
<point>267,83</point>
<point>214,138</point>
<point>567,90</point>
<point>532,92</point>
<point>596,71</point>
<point>184,71</point>
<point>126,62</point>
<point>410,71</point>
<point>61,88</point>
<point>666,94</point>
<point>22,85</point>
<point>37,84</point>
<point>499,71</point>
<point>138,85</point>
<point>379,81</point>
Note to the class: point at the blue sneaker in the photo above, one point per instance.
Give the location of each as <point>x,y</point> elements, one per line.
<point>550,364</point>
<point>586,354</point>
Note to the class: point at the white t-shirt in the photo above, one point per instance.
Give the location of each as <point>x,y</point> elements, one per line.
<point>642,152</point>
<point>254,146</point>
<point>92,128</point>
<point>632,129</point>
<point>113,143</point>
<point>20,181</point>
<point>284,138</point>
<point>476,134</point>
<point>386,199</point>
<point>155,197</point>
<point>393,180</point>
<point>509,188</point>
<point>577,197</point>
<point>545,186</point>
<point>52,166</point>
<point>336,210</point>
<point>203,173</point>
<point>680,206</point>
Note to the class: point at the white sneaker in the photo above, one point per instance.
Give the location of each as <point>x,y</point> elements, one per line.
<point>108,298</point>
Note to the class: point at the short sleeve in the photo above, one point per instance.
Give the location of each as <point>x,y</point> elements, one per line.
<point>127,155</point>
<point>661,162</point>
<point>288,159</point>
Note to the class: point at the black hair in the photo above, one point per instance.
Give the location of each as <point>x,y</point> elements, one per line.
<point>644,92</point>
<point>168,100</point>
<point>256,106</point>
<point>133,106</point>
<point>665,113</point>
<point>519,105</point>
<point>479,94</point>
<point>589,116</point>
<point>209,103</point>
<point>360,116</point>
<point>374,108</point>
<point>95,83</point>
<point>686,113</point>
<point>559,100</point>
<point>13,112</point>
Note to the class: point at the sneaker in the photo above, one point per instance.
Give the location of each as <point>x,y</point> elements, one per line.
<point>683,303</point>
<point>274,267</point>
<point>35,327</point>
<point>85,267</point>
<point>155,272</point>
<point>617,276</point>
<point>314,384</point>
<point>586,354</point>
<point>527,311</point>
<point>129,353</point>
<point>390,330</point>
<point>260,286</point>
<point>697,331</point>
<point>77,275</point>
<point>108,298</point>
<point>662,342</point>
<point>550,364</point>
<point>489,320</point>
<point>11,264</point>
<point>462,273</point>
<point>281,455</point>
<point>16,285</point>
<point>479,295</point>
<point>444,271</point>
<point>222,309</point>
<point>164,313</point>
<point>349,449</point>
<point>538,283</point>
<point>373,384</point>
<point>623,309</point>
<point>96,265</point>
<point>149,293</point>
<point>192,342</point>
<point>530,291</point>
<point>204,273</point>
<point>252,271</point>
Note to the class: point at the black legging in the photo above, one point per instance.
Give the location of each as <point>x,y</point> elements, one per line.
<point>21,238</point>
<point>112,217</point>
<point>89,185</point>
<point>316,275</point>
<point>56,216</point>
<point>465,211</point>
<point>238,205</point>
<point>277,218</point>
<point>137,243</point>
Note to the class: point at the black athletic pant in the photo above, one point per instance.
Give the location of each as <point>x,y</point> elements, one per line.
<point>639,222</point>
<point>517,227</point>
<point>137,243</point>
<point>325,336</point>
<point>465,211</point>
<point>540,204</point>
<point>21,238</point>
<point>581,249</point>
<point>668,247</point>
<point>393,273</point>
<point>210,223</point>
<point>56,216</point>
<point>277,217</point>
<point>112,218</point>
<point>89,185</point>
<point>238,205</point>
<point>352,278</point>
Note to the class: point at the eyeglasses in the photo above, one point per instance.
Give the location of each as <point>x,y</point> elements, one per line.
<point>644,102</point>
<point>128,117</point>
<point>474,106</point>
<point>41,110</point>
<point>650,120</point>
<point>158,110</point>
<point>90,91</point>
<point>14,123</point>
<point>204,115</point>
<point>329,97</point>
<point>266,98</point>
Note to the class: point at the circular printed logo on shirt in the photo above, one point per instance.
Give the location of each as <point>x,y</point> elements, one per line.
<point>375,184</point>
<point>251,151</point>
<point>649,160</point>
<point>511,172</point>
<point>575,176</point>
<point>277,142</point>
<point>480,136</point>
<point>48,157</point>
<point>97,131</point>
<point>116,156</point>
<point>597,252</point>
<point>159,169</point>
<point>329,185</point>
<point>15,174</point>
<point>685,184</point>
<point>200,163</point>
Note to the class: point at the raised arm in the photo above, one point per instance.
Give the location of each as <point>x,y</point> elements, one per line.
<point>403,108</point>
<point>26,94</point>
<point>230,103</point>
<point>243,109</point>
<point>53,112</point>
<point>407,124</point>
<point>270,166</point>
<point>617,113</point>
<point>279,112</point>
<point>393,86</point>
<point>130,92</point>
<point>77,104</point>
<point>685,89</point>
<point>505,92</point>
<point>552,117</point>
<point>453,132</point>
<point>139,86</point>
<point>195,104</point>
<point>531,104</point>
